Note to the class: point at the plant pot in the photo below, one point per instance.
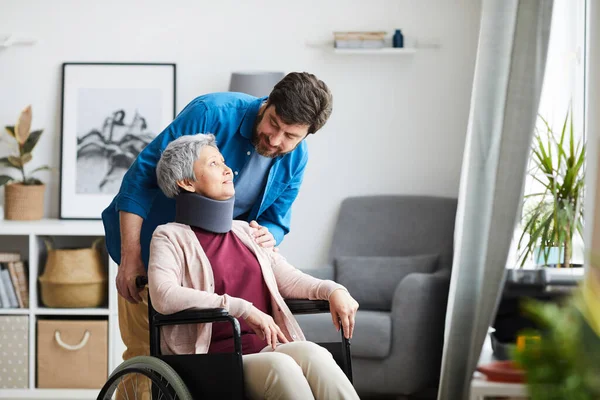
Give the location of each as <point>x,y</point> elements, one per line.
<point>556,255</point>
<point>23,202</point>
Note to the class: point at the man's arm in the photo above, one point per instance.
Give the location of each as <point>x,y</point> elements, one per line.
<point>131,258</point>
<point>138,190</point>
<point>278,216</point>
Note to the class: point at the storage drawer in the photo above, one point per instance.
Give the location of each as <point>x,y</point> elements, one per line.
<point>14,352</point>
<point>72,354</point>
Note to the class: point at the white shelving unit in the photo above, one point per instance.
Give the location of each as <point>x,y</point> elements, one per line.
<point>388,51</point>
<point>26,238</point>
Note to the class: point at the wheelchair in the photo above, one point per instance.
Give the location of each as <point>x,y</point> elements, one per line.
<point>200,376</point>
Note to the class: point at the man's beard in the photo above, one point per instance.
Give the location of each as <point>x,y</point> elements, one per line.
<point>258,144</point>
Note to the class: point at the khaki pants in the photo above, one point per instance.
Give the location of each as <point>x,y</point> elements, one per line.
<point>298,370</point>
<point>135,333</point>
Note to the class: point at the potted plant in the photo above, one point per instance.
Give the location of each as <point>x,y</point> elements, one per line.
<point>553,215</point>
<point>23,196</point>
<point>562,363</point>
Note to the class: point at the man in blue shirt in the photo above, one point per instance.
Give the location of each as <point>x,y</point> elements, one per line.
<point>261,139</point>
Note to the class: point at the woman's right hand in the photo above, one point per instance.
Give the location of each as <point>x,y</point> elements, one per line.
<point>265,327</point>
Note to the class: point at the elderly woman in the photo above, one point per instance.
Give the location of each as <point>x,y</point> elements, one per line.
<point>206,260</point>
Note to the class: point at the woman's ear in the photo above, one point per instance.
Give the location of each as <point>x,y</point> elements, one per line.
<point>185,184</point>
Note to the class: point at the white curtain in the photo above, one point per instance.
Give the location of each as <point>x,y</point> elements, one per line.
<point>509,72</point>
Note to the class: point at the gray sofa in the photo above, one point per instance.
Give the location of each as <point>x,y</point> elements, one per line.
<point>394,254</point>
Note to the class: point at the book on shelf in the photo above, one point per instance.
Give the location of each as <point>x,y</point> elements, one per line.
<point>20,283</point>
<point>359,40</point>
<point>14,289</point>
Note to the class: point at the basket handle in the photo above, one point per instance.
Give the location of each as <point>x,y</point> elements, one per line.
<point>97,243</point>
<point>86,337</point>
<point>49,243</point>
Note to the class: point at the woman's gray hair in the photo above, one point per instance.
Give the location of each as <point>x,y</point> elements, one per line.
<point>177,161</point>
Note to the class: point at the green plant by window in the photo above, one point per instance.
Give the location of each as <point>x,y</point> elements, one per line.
<point>26,142</point>
<point>552,216</point>
<point>564,362</point>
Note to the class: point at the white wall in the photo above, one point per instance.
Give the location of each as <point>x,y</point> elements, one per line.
<point>398,125</point>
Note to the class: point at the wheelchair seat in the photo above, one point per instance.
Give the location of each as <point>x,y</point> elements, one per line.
<point>201,376</point>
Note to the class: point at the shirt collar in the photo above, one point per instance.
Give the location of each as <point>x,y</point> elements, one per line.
<point>247,127</point>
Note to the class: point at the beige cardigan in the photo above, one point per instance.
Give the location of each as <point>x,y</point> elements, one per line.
<point>180,277</point>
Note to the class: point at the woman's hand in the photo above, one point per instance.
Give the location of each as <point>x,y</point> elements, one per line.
<point>343,309</point>
<point>262,236</point>
<point>265,327</point>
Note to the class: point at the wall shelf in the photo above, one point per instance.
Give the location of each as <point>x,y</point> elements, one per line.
<point>383,51</point>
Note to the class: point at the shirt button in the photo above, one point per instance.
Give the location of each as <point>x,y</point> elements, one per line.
<point>293,336</point>
<point>248,153</point>
<point>236,173</point>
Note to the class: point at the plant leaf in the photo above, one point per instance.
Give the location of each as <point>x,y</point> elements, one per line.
<point>4,179</point>
<point>25,158</point>
<point>10,130</point>
<point>23,125</point>
<point>15,161</point>
<point>42,168</point>
<point>31,141</point>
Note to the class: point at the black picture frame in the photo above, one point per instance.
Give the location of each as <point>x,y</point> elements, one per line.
<point>109,112</point>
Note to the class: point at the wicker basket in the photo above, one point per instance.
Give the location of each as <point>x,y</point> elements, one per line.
<point>74,278</point>
<point>24,202</point>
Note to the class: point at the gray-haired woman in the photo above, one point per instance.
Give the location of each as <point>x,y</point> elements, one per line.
<point>207,260</point>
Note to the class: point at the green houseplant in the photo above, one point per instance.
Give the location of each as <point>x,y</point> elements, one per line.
<point>563,362</point>
<point>554,214</point>
<point>23,196</point>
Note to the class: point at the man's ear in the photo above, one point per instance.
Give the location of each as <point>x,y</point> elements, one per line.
<point>185,184</point>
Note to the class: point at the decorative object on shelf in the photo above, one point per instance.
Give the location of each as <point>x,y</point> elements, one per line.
<point>14,347</point>
<point>255,83</point>
<point>23,196</point>
<point>79,347</point>
<point>110,112</point>
<point>74,278</point>
<point>398,39</point>
<point>502,371</point>
<point>554,214</point>
<point>359,40</point>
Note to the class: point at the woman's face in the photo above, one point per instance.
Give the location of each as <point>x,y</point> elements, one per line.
<point>214,179</point>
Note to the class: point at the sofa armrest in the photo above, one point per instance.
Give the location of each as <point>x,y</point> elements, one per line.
<point>418,321</point>
<point>326,272</point>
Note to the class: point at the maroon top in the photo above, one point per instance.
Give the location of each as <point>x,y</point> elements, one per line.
<point>237,273</point>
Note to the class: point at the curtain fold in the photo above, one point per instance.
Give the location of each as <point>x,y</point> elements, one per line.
<point>508,79</point>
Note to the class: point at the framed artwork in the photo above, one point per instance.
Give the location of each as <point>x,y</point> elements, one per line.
<point>110,112</point>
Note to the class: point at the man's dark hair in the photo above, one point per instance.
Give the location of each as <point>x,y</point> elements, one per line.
<point>301,98</point>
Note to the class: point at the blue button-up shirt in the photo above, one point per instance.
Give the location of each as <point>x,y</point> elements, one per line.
<point>231,118</point>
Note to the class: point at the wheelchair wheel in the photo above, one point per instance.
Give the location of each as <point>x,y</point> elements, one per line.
<point>131,379</point>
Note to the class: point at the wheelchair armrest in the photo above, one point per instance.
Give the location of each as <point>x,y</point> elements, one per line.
<point>191,317</point>
<point>304,306</point>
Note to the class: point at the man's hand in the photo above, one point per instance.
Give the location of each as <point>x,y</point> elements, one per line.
<point>343,309</point>
<point>262,236</point>
<point>265,327</point>
<point>131,267</point>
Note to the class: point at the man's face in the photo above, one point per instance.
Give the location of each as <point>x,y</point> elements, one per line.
<point>272,137</point>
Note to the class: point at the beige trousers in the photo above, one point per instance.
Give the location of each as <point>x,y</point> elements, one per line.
<point>298,370</point>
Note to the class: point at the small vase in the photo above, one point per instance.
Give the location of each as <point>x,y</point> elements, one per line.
<point>23,202</point>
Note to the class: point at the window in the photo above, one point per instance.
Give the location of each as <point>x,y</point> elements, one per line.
<point>563,87</point>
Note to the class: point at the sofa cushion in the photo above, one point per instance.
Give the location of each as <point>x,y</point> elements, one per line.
<point>373,280</point>
<point>372,336</point>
